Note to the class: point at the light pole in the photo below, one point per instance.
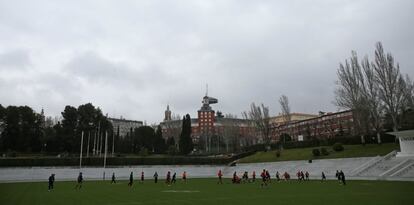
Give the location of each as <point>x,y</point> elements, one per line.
<point>87,148</point>
<point>106,150</point>
<point>94,142</point>
<point>80,156</point>
<point>113,143</point>
<point>89,136</point>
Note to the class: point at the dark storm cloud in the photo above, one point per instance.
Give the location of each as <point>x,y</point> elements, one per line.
<point>132,58</point>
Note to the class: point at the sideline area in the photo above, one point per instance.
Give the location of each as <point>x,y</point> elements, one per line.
<point>207,191</point>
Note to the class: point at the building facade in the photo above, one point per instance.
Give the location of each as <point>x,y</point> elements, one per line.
<point>294,117</point>
<point>211,132</point>
<point>323,126</point>
<point>124,126</point>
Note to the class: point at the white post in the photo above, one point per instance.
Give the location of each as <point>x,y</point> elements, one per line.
<point>113,143</point>
<point>93,147</point>
<point>106,149</point>
<point>98,144</point>
<point>94,144</point>
<point>80,156</point>
<point>87,148</point>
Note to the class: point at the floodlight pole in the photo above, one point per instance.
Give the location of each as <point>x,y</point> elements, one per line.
<point>113,143</point>
<point>98,144</point>
<point>80,156</point>
<point>106,150</point>
<point>87,147</point>
<point>94,143</point>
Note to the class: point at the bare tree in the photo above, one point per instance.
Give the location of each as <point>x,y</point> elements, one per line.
<point>231,131</point>
<point>349,94</point>
<point>409,92</point>
<point>259,116</point>
<point>176,116</point>
<point>392,86</point>
<point>285,107</point>
<point>370,91</point>
<point>329,127</point>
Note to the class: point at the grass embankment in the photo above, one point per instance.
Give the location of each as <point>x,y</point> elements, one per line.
<point>368,150</point>
<point>207,191</point>
<point>121,161</point>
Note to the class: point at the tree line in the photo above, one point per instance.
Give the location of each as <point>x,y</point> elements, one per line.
<point>24,130</point>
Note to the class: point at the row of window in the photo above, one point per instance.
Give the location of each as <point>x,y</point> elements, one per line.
<point>207,114</point>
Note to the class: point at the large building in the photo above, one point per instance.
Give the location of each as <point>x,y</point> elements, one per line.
<point>124,126</point>
<point>294,117</point>
<point>211,132</point>
<point>323,126</point>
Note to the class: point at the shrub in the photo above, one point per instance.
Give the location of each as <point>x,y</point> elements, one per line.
<point>324,151</point>
<point>143,152</point>
<point>284,137</point>
<point>12,154</point>
<point>338,147</point>
<point>316,152</point>
<point>278,153</point>
<point>172,150</point>
<point>387,138</point>
<point>254,148</point>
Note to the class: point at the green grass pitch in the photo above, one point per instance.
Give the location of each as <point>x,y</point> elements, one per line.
<point>207,191</point>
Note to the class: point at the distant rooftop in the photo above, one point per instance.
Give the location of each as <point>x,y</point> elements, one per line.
<point>123,120</point>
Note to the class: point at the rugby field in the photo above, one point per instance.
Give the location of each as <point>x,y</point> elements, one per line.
<point>207,191</point>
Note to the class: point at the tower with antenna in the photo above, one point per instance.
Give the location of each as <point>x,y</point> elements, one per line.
<point>206,119</point>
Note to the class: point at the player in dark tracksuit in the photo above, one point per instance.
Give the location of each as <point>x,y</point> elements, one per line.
<point>51,181</point>
<point>337,175</point>
<point>342,177</point>
<point>113,178</point>
<point>155,177</point>
<point>80,181</point>
<point>131,180</point>
<point>173,180</point>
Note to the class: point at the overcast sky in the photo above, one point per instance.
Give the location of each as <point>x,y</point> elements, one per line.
<point>132,58</point>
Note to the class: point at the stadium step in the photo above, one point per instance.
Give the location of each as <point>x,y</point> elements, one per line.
<point>396,168</point>
<point>409,166</point>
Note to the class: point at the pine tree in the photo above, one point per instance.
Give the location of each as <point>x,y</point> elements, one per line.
<point>159,142</point>
<point>186,143</point>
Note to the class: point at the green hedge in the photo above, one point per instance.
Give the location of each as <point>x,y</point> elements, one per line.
<point>119,161</point>
<point>346,140</point>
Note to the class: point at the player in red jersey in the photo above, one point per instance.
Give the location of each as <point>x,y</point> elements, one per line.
<point>220,176</point>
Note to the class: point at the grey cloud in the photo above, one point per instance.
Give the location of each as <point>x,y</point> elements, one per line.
<point>14,60</point>
<point>97,69</point>
<point>132,58</point>
<point>94,68</point>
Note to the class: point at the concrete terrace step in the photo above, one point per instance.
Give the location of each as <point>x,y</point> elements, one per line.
<point>373,165</point>
<point>396,168</point>
<point>406,171</point>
